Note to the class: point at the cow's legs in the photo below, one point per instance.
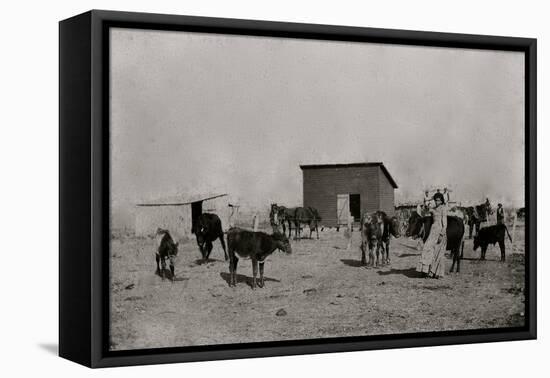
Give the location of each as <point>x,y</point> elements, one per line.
<point>233,259</point>
<point>222,241</point>
<point>371,254</point>
<point>483,251</point>
<point>460,256</point>
<point>208,248</point>
<point>502,250</point>
<point>254,272</point>
<point>163,264</point>
<point>471,226</point>
<point>173,267</point>
<point>201,249</point>
<point>363,257</point>
<point>289,230</point>
<point>310,231</point>
<point>453,264</point>
<point>317,230</point>
<point>261,284</point>
<point>455,254</point>
<point>157,257</point>
<point>387,252</point>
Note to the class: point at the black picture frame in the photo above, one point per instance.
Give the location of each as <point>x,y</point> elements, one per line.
<point>84,187</point>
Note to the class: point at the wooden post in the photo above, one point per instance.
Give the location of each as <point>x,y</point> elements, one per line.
<point>255,222</point>
<point>348,231</point>
<point>514,231</point>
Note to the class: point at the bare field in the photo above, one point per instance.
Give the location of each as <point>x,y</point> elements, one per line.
<point>318,291</point>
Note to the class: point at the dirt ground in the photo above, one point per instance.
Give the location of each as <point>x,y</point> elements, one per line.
<point>318,291</point>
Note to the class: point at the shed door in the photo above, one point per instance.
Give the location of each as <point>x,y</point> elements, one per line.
<point>355,206</point>
<point>342,206</point>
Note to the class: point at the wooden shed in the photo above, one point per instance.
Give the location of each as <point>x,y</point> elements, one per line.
<point>177,214</point>
<point>340,190</point>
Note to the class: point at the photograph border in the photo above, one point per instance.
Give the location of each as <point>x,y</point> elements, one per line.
<point>84,187</point>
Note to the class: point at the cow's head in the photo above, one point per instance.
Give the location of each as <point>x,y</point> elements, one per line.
<point>175,249</point>
<point>394,227</point>
<point>371,229</point>
<point>282,242</point>
<point>415,225</point>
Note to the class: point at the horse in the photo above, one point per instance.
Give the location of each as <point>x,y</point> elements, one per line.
<point>309,216</point>
<point>280,216</point>
<point>475,215</point>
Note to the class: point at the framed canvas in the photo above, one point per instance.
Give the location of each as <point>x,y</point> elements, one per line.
<point>385,180</point>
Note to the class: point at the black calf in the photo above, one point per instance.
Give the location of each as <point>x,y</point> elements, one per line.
<point>208,228</point>
<point>491,235</point>
<point>166,249</point>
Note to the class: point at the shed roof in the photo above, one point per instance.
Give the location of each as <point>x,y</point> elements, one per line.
<point>181,200</point>
<point>347,165</point>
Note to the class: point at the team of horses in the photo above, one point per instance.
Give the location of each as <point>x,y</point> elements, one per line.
<point>281,217</point>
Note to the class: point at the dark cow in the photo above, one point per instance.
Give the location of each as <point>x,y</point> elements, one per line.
<point>254,245</point>
<point>309,216</point>
<point>491,235</point>
<point>208,228</point>
<point>415,227</point>
<point>376,230</point>
<point>390,227</point>
<point>421,226</point>
<point>166,249</point>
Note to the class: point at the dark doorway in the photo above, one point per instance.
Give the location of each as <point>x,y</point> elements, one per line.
<point>196,211</point>
<point>355,207</point>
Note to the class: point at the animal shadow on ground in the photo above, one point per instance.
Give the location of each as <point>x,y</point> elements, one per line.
<point>408,254</point>
<point>352,263</point>
<point>472,259</point>
<point>408,246</point>
<point>180,278</point>
<point>242,278</point>
<point>168,276</point>
<point>410,273</point>
<point>167,273</point>
<point>202,262</point>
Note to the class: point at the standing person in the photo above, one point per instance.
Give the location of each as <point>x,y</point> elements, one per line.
<point>447,195</point>
<point>500,214</point>
<point>432,261</point>
<point>427,199</point>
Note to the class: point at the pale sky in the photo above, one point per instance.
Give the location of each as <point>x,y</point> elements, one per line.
<point>195,113</point>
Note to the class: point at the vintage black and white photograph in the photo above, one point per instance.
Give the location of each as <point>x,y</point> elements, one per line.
<point>273,189</point>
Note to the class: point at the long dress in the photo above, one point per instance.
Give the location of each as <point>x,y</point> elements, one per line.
<point>432,261</point>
